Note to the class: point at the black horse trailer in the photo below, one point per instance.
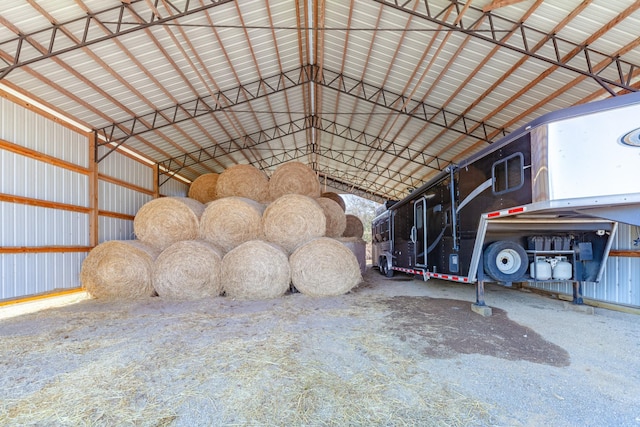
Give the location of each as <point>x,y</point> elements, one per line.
<point>541,204</point>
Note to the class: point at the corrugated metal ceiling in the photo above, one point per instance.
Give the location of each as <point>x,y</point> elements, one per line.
<point>376,95</point>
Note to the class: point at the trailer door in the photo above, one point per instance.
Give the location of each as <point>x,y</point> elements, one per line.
<point>419,231</point>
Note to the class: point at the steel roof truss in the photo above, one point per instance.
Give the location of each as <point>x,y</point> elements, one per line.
<point>92,21</point>
<point>498,26</point>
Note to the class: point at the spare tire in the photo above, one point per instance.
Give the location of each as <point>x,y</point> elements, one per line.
<point>505,261</point>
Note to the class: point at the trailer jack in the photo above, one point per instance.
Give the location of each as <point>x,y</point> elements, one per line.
<point>479,306</point>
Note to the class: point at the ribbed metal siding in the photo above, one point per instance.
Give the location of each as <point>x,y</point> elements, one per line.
<point>34,273</point>
<point>26,177</point>
<point>24,225</point>
<point>114,229</point>
<point>621,280</point>
<point>115,198</point>
<point>21,225</point>
<point>119,199</point>
<point>31,130</point>
<point>174,188</point>
<point>126,169</point>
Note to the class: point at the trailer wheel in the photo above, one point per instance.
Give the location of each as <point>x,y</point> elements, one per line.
<point>505,261</point>
<point>384,268</point>
<point>381,266</point>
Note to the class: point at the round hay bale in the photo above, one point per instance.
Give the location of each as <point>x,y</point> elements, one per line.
<point>164,221</point>
<point>294,178</point>
<point>203,189</point>
<point>243,181</point>
<point>359,249</point>
<point>336,198</point>
<point>336,218</point>
<point>255,270</point>
<point>293,219</point>
<point>231,221</point>
<point>354,227</point>
<point>189,269</point>
<point>324,267</point>
<point>119,269</point>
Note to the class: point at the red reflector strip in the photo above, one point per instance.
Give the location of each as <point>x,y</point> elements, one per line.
<point>511,211</point>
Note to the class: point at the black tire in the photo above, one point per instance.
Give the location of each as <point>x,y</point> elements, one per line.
<point>382,266</point>
<point>388,272</point>
<point>505,261</point>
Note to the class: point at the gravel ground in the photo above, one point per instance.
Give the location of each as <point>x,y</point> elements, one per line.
<point>394,351</point>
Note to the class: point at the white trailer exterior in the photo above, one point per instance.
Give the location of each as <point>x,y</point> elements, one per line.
<point>571,175</point>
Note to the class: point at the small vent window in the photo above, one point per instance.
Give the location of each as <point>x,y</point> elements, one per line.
<point>508,174</point>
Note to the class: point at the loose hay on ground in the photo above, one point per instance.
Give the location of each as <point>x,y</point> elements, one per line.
<point>119,269</point>
<point>190,269</point>
<point>324,267</point>
<point>164,221</point>
<point>294,178</point>
<point>243,181</point>
<point>292,220</point>
<point>231,221</point>
<point>336,198</point>
<point>354,227</point>
<point>203,189</point>
<point>336,218</point>
<point>255,270</point>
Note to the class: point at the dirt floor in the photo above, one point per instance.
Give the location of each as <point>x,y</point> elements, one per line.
<point>394,352</point>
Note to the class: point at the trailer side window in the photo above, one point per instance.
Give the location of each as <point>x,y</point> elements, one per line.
<point>508,173</point>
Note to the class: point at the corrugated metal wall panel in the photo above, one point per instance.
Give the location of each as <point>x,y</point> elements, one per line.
<point>174,188</point>
<point>114,229</point>
<point>26,177</point>
<point>32,226</point>
<point>35,273</point>
<point>126,169</point>
<point>29,129</point>
<point>115,198</point>
<point>621,280</point>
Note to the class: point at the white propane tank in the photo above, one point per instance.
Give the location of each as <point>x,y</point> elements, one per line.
<point>562,270</point>
<point>540,269</point>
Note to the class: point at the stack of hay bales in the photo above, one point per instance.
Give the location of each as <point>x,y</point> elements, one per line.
<point>235,245</point>
<point>231,221</point>
<point>165,221</point>
<point>189,269</point>
<point>119,269</point>
<point>243,181</point>
<point>203,188</point>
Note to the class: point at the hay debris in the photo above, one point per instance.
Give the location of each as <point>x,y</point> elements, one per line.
<point>255,270</point>
<point>243,181</point>
<point>354,227</point>
<point>188,269</point>
<point>164,221</point>
<point>203,188</point>
<point>294,178</point>
<point>336,198</point>
<point>231,221</point>
<point>336,218</point>
<point>119,269</point>
<point>324,267</point>
<point>293,219</point>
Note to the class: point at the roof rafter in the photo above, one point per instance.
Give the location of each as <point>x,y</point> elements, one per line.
<point>172,166</point>
<point>411,107</point>
<point>496,26</point>
<point>115,18</point>
<point>120,132</point>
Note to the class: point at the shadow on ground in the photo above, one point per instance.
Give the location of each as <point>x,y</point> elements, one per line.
<point>443,328</point>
